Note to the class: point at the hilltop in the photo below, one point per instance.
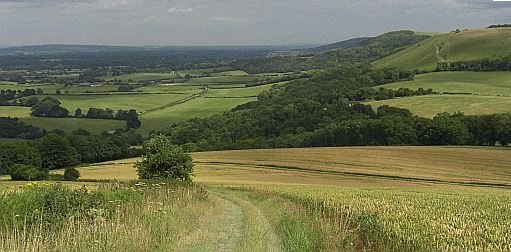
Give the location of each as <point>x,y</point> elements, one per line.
<point>451,47</point>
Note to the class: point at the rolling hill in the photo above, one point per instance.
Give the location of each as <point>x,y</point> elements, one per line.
<point>455,46</point>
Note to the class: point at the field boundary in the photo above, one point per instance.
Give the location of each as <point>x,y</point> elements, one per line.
<point>186,99</point>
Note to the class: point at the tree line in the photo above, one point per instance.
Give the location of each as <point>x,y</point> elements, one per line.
<point>56,151</point>
<point>325,110</point>
<point>50,107</point>
<point>7,96</point>
<point>482,65</point>
<point>14,128</point>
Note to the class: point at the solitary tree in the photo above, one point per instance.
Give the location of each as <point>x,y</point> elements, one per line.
<point>163,160</point>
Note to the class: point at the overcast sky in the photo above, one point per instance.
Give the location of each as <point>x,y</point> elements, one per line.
<point>232,22</point>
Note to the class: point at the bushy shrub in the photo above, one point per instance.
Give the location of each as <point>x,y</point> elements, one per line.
<point>28,173</point>
<point>71,174</point>
<point>163,160</point>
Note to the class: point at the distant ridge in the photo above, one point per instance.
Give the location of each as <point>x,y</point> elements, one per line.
<point>339,45</point>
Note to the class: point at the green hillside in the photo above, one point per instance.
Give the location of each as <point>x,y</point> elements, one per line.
<point>480,83</point>
<point>430,105</point>
<point>465,45</point>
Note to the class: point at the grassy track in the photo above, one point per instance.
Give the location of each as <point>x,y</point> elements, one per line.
<point>467,45</point>
<point>430,105</point>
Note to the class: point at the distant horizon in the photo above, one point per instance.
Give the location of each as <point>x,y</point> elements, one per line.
<point>228,22</point>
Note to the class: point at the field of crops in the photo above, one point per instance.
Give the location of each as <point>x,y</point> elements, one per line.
<point>413,219</point>
<point>431,105</point>
<point>387,198</point>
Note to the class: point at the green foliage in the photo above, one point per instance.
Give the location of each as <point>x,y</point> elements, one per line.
<point>28,173</point>
<point>71,174</point>
<point>57,152</point>
<point>49,107</point>
<point>24,153</point>
<point>165,161</point>
<point>50,205</point>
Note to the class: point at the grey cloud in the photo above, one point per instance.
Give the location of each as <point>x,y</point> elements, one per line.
<point>193,22</point>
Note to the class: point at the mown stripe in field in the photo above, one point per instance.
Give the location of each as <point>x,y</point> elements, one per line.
<point>361,174</point>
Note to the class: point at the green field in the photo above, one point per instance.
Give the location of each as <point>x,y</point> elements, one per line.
<point>89,89</point>
<point>237,92</point>
<point>480,83</point>
<point>14,111</point>
<point>230,73</point>
<point>143,77</point>
<point>140,102</point>
<point>199,107</point>
<point>169,88</point>
<point>466,45</point>
<point>430,105</point>
<point>491,93</point>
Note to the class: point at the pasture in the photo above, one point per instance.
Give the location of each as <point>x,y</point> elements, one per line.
<point>140,102</point>
<point>431,105</point>
<point>450,47</point>
<point>480,83</point>
<point>136,77</point>
<point>198,107</point>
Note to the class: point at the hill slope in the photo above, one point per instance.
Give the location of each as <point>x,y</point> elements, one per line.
<point>451,47</point>
<point>339,45</point>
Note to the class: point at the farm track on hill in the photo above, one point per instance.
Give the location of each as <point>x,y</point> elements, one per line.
<point>241,227</point>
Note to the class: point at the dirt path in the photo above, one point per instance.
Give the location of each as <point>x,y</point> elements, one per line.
<point>241,226</point>
<point>438,57</point>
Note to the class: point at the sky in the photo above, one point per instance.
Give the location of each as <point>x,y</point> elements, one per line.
<point>233,22</point>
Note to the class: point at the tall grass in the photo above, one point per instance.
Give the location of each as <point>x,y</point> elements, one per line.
<point>135,217</point>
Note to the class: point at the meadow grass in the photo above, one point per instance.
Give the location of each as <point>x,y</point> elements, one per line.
<point>89,89</point>
<point>14,111</point>
<point>466,45</point>
<point>431,105</point>
<point>169,88</point>
<point>237,92</point>
<point>200,107</point>
<point>122,222</point>
<point>143,77</point>
<point>480,83</point>
<point>140,102</point>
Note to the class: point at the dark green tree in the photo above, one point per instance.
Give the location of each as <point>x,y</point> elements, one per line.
<point>163,160</point>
